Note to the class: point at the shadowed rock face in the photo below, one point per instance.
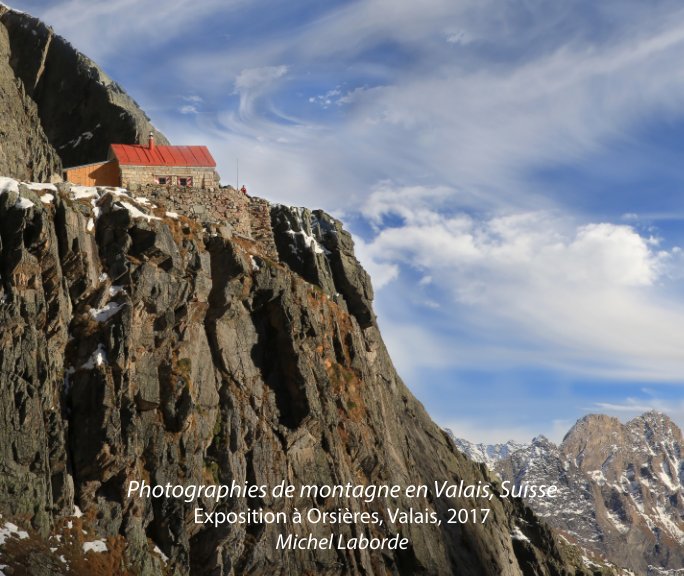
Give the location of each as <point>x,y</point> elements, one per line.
<point>135,349</point>
<point>25,151</point>
<point>62,109</point>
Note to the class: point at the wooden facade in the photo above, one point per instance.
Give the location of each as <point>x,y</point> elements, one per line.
<point>97,174</point>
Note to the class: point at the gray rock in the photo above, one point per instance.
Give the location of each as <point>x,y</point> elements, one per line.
<point>192,366</point>
<point>316,246</point>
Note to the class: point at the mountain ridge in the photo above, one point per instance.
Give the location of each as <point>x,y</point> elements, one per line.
<point>60,108</point>
<point>620,483</point>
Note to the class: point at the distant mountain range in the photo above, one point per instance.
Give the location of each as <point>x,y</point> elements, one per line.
<point>620,487</point>
<point>489,454</point>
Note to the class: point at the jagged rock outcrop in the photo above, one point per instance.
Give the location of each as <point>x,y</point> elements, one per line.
<point>58,108</point>
<point>620,488</point>
<point>138,346</point>
<point>315,246</point>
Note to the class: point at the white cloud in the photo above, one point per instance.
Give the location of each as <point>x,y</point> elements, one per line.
<point>189,109</point>
<point>584,296</point>
<point>339,98</point>
<point>257,79</point>
<point>457,37</point>
<point>382,273</point>
<point>328,99</point>
<point>630,406</point>
<point>489,127</point>
<point>192,104</point>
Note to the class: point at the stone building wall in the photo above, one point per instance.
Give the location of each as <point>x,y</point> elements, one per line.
<point>133,177</point>
<point>237,213</point>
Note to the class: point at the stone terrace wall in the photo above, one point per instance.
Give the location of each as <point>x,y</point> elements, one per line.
<point>260,220</point>
<point>243,215</point>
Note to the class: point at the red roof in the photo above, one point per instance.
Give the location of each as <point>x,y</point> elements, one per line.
<point>136,155</point>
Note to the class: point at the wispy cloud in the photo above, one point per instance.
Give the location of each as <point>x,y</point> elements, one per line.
<point>103,29</point>
<point>336,97</point>
<point>630,406</point>
<point>192,104</point>
<point>252,83</point>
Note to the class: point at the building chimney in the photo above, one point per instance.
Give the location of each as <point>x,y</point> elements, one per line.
<point>151,141</point>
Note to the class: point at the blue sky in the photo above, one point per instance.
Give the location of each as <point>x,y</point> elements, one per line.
<point>511,171</point>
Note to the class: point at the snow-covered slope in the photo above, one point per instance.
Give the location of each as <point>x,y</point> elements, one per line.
<point>488,454</point>
<point>620,487</point>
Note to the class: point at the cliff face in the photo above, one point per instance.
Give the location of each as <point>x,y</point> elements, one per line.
<point>58,108</point>
<point>620,488</point>
<point>25,151</point>
<point>196,340</point>
<point>138,345</point>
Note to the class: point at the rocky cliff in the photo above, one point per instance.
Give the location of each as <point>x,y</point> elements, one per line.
<point>58,108</point>
<point>169,339</point>
<point>142,345</point>
<point>620,488</point>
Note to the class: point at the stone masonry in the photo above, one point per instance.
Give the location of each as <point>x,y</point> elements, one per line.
<point>230,211</point>
<point>133,177</point>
